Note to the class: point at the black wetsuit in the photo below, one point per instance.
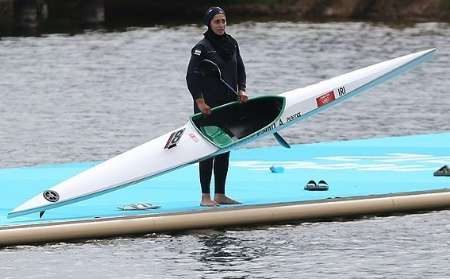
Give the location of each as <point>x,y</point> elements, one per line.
<point>215,93</point>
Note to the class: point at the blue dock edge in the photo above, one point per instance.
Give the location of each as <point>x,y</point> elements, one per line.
<point>353,169</point>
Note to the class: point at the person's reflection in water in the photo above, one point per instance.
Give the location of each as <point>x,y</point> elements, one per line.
<point>222,251</point>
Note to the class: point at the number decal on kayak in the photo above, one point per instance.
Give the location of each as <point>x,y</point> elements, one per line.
<point>174,138</point>
<point>341,91</point>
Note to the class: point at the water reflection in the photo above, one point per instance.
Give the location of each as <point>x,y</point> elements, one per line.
<point>220,248</point>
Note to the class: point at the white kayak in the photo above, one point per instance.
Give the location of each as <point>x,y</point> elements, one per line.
<point>227,127</point>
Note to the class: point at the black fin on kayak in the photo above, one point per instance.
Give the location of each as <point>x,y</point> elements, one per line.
<point>281,141</point>
<point>41,213</point>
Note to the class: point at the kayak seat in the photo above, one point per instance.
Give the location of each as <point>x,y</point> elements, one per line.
<point>217,135</point>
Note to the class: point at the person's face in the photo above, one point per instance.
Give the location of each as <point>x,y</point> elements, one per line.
<point>218,23</point>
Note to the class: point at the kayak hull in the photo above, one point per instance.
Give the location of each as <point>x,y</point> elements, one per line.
<point>228,127</point>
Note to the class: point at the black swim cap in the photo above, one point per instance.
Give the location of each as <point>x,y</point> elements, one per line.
<point>210,13</point>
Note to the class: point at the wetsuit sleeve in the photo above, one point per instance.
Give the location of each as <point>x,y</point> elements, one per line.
<point>193,76</point>
<point>242,78</point>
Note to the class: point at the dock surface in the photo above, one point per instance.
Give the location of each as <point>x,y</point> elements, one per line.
<point>356,170</point>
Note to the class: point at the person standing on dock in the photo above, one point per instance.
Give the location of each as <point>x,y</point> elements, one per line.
<point>207,93</point>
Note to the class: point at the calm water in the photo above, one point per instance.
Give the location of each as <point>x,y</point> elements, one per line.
<point>90,96</point>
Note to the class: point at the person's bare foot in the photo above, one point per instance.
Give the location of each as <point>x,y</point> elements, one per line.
<point>207,201</point>
<point>222,199</point>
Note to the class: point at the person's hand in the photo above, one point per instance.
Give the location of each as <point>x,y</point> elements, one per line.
<point>203,106</point>
<point>242,96</point>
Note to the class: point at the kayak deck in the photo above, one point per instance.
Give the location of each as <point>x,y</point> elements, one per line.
<point>354,170</point>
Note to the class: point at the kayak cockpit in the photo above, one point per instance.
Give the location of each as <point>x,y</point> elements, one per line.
<point>234,121</point>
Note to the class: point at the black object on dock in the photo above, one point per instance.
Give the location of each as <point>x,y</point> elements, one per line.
<point>443,171</point>
<point>320,186</point>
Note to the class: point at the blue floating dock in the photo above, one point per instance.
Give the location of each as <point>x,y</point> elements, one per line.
<point>371,176</point>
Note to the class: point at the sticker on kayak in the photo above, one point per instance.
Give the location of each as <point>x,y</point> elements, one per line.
<point>341,91</point>
<point>173,139</point>
<point>193,137</point>
<point>325,99</point>
<point>51,196</point>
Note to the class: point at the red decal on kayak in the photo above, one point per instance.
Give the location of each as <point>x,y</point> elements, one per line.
<point>193,137</point>
<point>325,99</point>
